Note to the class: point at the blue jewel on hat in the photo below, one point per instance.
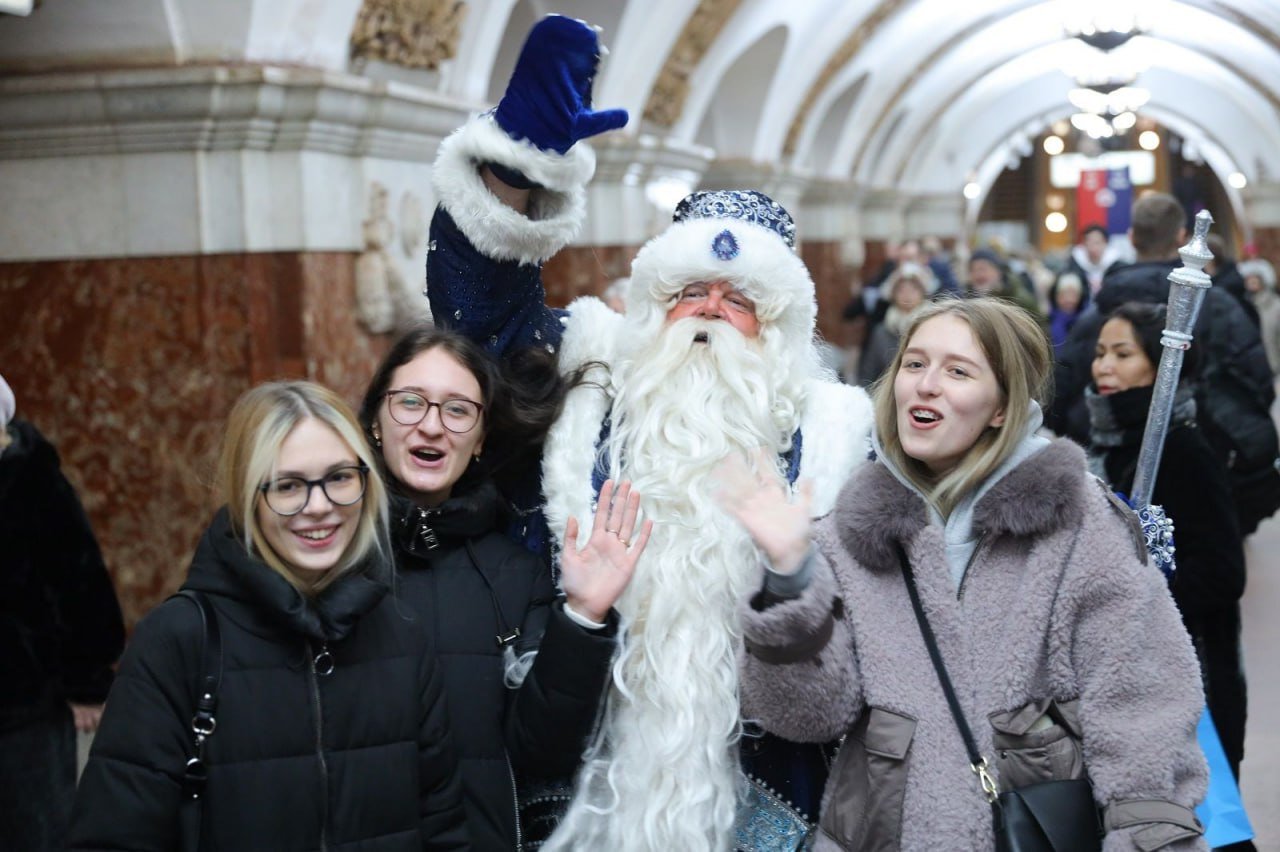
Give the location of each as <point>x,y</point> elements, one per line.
<point>724,245</point>
<point>746,205</point>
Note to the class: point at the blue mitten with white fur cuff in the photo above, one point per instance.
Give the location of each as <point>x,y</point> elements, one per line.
<point>548,99</point>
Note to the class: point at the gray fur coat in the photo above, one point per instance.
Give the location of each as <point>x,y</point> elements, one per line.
<point>1064,646</point>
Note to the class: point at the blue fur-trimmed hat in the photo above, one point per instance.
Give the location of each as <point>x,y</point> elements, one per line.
<point>743,237</point>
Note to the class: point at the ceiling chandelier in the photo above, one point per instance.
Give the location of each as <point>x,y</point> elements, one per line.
<point>1104,26</point>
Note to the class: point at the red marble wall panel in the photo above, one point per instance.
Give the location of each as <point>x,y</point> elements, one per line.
<point>832,280</point>
<point>584,271</point>
<point>130,366</point>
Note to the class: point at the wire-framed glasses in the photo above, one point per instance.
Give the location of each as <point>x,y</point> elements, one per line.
<point>409,408</point>
<point>289,495</point>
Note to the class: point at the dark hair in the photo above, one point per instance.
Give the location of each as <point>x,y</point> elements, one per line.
<point>1157,220</point>
<point>1148,321</point>
<point>521,399</point>
<point>1089,230</point>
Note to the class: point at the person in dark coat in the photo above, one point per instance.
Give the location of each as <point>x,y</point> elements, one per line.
<point>525,668</point>
<point>1191,484</point>
<point>1091,259</point>
<point>331,729</point>
<point>1234,392</point>
<point>60,633</point>
<point>1066,302</point>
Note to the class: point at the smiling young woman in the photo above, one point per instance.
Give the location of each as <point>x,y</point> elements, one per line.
<point>524,667</point>
<point>1192,485</point>
<point>1063,644</point>
<point>297,572</point>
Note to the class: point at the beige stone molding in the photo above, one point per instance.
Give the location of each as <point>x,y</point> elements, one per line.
<point>861,34</point>
<point>671,89</point>
<point>409,33</point>
<point>221,108</point>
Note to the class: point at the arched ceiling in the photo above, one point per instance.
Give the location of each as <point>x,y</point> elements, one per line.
<point>915,95</point>
<point>910,96</point>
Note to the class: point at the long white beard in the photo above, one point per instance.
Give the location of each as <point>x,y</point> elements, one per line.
<point>663,773</point>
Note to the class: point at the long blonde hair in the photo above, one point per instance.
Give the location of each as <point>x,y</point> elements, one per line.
<point>1022,361</point>
<point>257,427</point>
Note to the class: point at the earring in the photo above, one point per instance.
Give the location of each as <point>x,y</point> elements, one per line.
<point>377,439</point>
<point>476,457</point>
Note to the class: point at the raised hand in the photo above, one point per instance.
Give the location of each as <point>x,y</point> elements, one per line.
<point>759,500</point>
<point>594,576</point>
<point>548,99</point>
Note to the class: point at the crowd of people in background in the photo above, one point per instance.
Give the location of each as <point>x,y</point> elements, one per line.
<point>644,575</point>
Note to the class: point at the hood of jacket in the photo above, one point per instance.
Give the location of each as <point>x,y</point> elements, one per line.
<point>475,512</point>
<point>877,510</point>
<point>223,567</point>
<point>1147,281</point>
<point>959,531</point>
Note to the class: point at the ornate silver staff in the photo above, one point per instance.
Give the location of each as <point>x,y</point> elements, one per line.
<point>1189,283</point>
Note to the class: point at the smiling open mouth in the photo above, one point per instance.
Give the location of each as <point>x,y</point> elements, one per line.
<point>922,415</point>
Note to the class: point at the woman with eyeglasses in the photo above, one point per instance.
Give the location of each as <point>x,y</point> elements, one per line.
<point>524,667</point>
<point>329,730</point>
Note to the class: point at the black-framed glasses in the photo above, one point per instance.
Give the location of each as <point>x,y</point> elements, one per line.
<point>409,408</point>
<point>289,495</point>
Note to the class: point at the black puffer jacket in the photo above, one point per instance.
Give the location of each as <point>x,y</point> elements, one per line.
<point>1234,392</point>
<point>473,585</point>
<point>60,625</point>
<point>360,758</point>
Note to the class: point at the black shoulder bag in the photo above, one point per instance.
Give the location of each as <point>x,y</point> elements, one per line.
<point>1053,816</point>
<point>203,722</point>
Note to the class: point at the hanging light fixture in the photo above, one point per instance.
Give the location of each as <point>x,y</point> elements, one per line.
<point>1104,26</point>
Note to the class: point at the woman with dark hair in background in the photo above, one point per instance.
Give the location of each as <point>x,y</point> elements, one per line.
<point>524,668</point>
<point>1193,488</point>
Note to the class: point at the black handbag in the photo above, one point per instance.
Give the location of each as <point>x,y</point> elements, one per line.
<point>1053,816</point>
<point>203,723</point>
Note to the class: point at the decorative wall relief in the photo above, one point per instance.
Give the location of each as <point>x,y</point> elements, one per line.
<point>375,272</point>
<point>409,33</point>
<point>385,297</point>
<point>413,225</point>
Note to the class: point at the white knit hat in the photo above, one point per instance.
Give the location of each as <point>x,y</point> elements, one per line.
<point>7,403</point>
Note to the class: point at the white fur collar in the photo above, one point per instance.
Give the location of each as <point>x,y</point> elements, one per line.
<point>555,211</point>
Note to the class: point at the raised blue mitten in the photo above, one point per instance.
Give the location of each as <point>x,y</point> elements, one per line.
<point>548,99</point>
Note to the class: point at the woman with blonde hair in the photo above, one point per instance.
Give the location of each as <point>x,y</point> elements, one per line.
<point>330,730</point>
<point>973,551</point>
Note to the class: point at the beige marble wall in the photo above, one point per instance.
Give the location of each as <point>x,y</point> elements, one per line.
<point>130,365</point>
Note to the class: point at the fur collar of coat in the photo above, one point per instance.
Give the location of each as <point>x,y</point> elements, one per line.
<point>875,511</point>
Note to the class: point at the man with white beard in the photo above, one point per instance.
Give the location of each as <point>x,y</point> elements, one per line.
<point>713,359</point>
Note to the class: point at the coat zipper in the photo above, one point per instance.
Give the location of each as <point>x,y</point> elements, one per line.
<point>515,802</point>
<point>973,557</point>
<point>321,662</point>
